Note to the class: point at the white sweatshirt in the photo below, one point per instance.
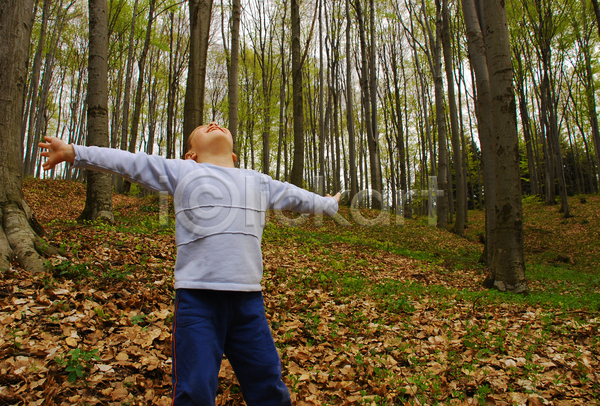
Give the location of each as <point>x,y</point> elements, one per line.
<point>220,213</point>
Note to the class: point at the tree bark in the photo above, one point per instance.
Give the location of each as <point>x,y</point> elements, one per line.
<point>368,101</point>
<point>200,19</point>
<point>17,237</point>
<point>127,91</point>
<point>477,54</point>
<point>282,89</point>
<point>350,110</point>
<point>31,105</point>
<point>440,116</point>
<point>520,83</point>
<point>297,174</point>
<point>459,222</point>
<point>234,72</point>
<point>590,90</point>
<point>508,264</point>
<point>98,202</point>
<point>137,107</point>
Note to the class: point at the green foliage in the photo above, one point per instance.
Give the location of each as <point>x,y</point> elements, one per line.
<point>69,270</point>
<point>77,363</point>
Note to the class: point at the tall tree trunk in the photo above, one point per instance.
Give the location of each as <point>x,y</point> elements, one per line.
<point>98,202</point>
<point>282,99</point>
<point>200,19</point>
<point>375,156</point>
<point>367,101</point>
<point>297,98</point>
<point>459,223</point>
<point>590,90</point>
<point>32,98</point>
<point>507,270</point>
<point>139,91</point>
<point>41,116</point>
<point>350,109</point>
<point>233,72</point>
<point>322,138</point>
<point>127,91</point>
<point>477,54</point>
<point>137,107</point>
<point>17,237</point>
<point>520,83</point>
<point>440,118</point>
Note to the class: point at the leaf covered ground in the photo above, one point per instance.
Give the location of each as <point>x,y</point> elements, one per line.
<point>386,315</point>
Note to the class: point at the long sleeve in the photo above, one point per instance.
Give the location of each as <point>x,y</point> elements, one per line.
<point>285,196</point>
<point>152,171</point>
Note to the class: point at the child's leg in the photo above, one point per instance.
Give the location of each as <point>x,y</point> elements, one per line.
<point>199,330</point>
<point>253,355</point>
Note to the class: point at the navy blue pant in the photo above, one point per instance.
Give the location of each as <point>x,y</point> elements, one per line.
<point>208,324</point>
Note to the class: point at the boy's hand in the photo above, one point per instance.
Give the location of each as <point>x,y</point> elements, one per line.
<point>58,151</point>
<point>337,197</point>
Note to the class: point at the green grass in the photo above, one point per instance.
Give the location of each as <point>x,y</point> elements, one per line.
<point>553,284</point>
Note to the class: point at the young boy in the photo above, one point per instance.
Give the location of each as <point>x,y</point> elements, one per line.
<point>220,214</point>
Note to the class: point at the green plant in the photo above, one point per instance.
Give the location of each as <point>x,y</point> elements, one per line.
<point>77,363</point>
<point>482,392</point>
<point>139,318</point>
<point>101,314</point>
<point>15,337</point>
<point>69,270</point>
<point>116,274</point>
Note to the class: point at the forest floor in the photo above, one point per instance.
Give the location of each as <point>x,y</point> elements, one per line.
<point>383,315</point>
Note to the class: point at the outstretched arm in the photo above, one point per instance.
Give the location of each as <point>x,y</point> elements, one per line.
<point>58,152</point>
<point>152,171</point>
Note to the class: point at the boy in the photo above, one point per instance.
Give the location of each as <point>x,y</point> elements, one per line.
<point>220,214</point>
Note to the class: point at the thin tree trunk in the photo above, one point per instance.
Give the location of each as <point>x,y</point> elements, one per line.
<point>282,100</point>
<point>350,109</point>
<point>127,93</point>
<point>477,54</point>
<point>297,99</point>
<point>200,19</point>
<point>459,223</point>
<point>31,104</point>
<point>233,76</point>
<point>440,114</point>
<point>98,202</point>
<point>519,82</point>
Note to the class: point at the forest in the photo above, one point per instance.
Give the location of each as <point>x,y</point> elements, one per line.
<point>393,98</point>
<point>361,63</point>
<point>476,117</point>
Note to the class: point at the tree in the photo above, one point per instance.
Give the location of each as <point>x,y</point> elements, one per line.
<point>349,108</point>
<point>459,223</point>
<point>200,18</point>
<point>477,54</point>
<point>135,120</point>
<point>297,98</point>
<point>440,119</point>
<point>507,270</point>
<point>98,202</point>
<point>127,92</point>
<point>19,232</point>
<point>233,65</point>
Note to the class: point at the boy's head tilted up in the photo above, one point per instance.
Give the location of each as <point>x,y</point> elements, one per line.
<point>211,144</point>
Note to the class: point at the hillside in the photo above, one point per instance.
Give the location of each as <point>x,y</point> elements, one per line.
<point>381,315</point>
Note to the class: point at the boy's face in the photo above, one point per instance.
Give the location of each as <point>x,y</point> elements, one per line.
<point>210,139</point>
